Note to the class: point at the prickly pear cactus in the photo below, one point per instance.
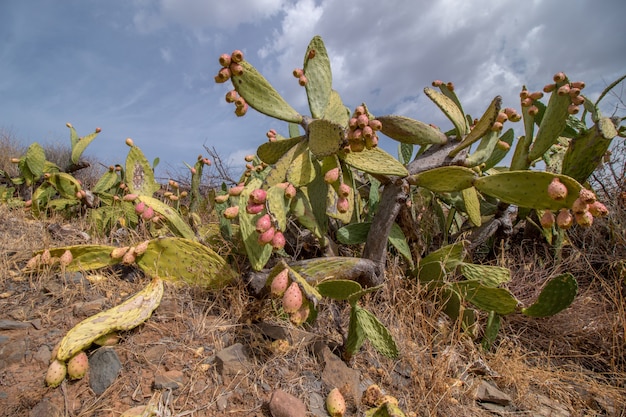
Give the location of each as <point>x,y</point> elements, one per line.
<point>556,296</point>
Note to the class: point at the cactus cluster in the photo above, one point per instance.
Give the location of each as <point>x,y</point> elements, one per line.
<point>585,208</point>
<point>231,66</point>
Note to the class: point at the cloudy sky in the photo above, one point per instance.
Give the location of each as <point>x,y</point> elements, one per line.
<point>144,68</point>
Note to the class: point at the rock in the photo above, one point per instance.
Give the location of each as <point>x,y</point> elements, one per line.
<point>104,366</point>
<point>283,404</point>
<point>547,407</point>
<point>12,352</point>
<point>45,408</point>
<point>89,308</point>
<point>232,360</point>
<point>337,374</point>
<point>487,393</point>
<point>317,405</point>
<point>14,325</point>
<point>173,379</point>
<point>43,355</point>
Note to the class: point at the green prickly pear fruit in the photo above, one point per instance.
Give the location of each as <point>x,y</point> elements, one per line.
<point>564,220</point>
<point>597,209</point>
<point>343,205</point>
<point>258,196</point>
<point>129,257</point>
<point>56,373</point>
<point>69,125</point>
<point>231,212</point>
<point>78,365</point>
<point>587,196</point>
<point>225,60</point>
<point>110,339</point>
<point>267,236</point>
<point>557,190</point>
<point>236,190</point>
<point>290,191</point>
<point>292,298</point>
<point>263,223</point>
<point>118,253</point>
<point>252,208</point>
<point>331,175</point>
<point>236,56</point>
<point>335,403</point>
<point>547,220</point>
<point>579,206</point>
<point>344,190</point>
<point>142,247</point>
<point>222,198</point>
<point>66,258</point>
<point>280,283</point>
<point>130,142</point>
<point>584,219</point>
<point>278,241</point>
<point>148,213</point>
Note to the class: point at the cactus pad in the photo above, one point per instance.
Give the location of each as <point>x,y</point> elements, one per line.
<point>489,275</point>
<point>174,222</point>
<point>411,131</point>
<point>257,254</point>
<point>444,179</point>
<point>319,76</point>
<point>336,111</point>
<point>472,205</point>
<point>376,332</point>
<point>271,152</point>
<point>556,296</point>
<point>552,124</point>
<point>498,154</point>
<point>374,161</point>
<point>80,145</point>
<point>482,127</point>
<point>486,298</point>
<point>301,171</point>
<point>139,176</point>
<point>325,137</point>
<point>338,289</point>
<point>450,109</point>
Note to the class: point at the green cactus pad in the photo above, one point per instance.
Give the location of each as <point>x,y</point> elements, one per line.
<point>317,193</point>
<point>489,275</point>
<point>319,77</point>
<point>556,296</point>
<point>258,255</point>
<point>32,163</point>
<point>325,137</point>
<point>177,259</point>
<point>374,161</point>
<point>450,109</point>
<point>552,124</point>
<point>450,255</point>
<point>261,96</point>
<point>301,208</point>
<point>356,334</point>
<point>65,184</point>
<point>585,152</point>
<point>398,241</point>
<point>126,316</point>
<point>79,147</point>
<point>301,171</point>
<point>174,221</point>
<point>378,335</point>
<point>411,131</point>
<point>278,206</point>
<point>483,151</point>
<point>309,291</point>
<point>107,181</point>
<point>139,176</point>
<point>320,269</point>
<point>472,205</point>
<point>278,173</point>
<point>336,111</point>
<point>492,327</point>
<point>444,179</point>
<point>338,289</point>
<point>86,257</point>
<point>482,127</point>
<point>486,298</point>
<point>354,233</point>
<point>271,152</point>
<point>527,189</point>
<point>498,154</point>
<point>431,272</point>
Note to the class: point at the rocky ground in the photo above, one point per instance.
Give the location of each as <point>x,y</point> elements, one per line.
<point>227,354</point>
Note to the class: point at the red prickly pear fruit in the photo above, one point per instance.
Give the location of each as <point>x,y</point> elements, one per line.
<point>303,80</point>
<point>574,92</point>
<point>359,110</point>
<point>235,69</point>
<point>236,56</point>
<point>332,175</point>
<point>79,195</point>
<point>450,85</point>
<point>536,95</point>
<point>335,403</point>
<point>140,207</point>
<point>559,77</point>
<point>578,84</point>
<point>496,126</point>
<point>597,209</point>
<point>503,145</point>
<point>98,130</point>
<point>77,366</point>
<point>527,102</point>
<point>371,142</point>
<point>547,220</point>
<point>523,95</point>
<point>368,132</point>
<point>46,257</point>
<point>579,206</point>
<point>66,258</point>
<point>117,253</point>
<point>578,100</point>
<point>502,117</point>
<point>437,83</point>
<point>206,161</point>
<point>278,241</point>
<point>564,219</point>
<point>263,223</point>
<point>343,205</point>
<point>344,190</point>
<point>515,117</point>
<point>148,213</point>
<point>130,142</point>
<point>352,124</point>
<point>193,171</point>
<point>280,283</point>
<point>223,75</point>
<point>252,208</point>
<point>572,109</point>
<point>557,190</point>
<point>376,125</point>
<point>533,110</point>
<point>231,96</point>
<point>587,195</point>
<point>362,120</point>
<point>548,88</point>
<point>236,190</point>
<point>241,111</point>
<point>267,236</point>
<point>563,90</point>
<point>292,298</point>
<point>311,54</point>
<point>56,373</point>
<point>290,191</point>
<point>258,196</point>
<point>142,247</point>
<point>301,315</point>
<point>357,134</point>
<point>129,257</point>
<point>584,219</point>
<point>231,212</point>
<point>298,72</point>
<point>249,158</point>
<point>219,199</point>
<point>225,60</point>
<point>271,133</point>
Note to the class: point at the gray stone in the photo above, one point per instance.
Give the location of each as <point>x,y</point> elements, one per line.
<point>173,379</point>
<point>45,408</point>
<point>232,360</point>
<point>12,352</point>
<point>317,405</point>
<point>43,355</point>
<point>104,366</point>
<point>89,308</point>
<point>14,325</point>
<point>337,374</point>
<point>283,404</point>
<point>487,393</point>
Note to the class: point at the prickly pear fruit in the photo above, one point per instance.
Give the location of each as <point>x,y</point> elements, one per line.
<point>130,197</point>
<point>46,258</point>
<point>587,196</point>
<point>292,298</point>
<point>231,212</point>
<point>290,191</point>
<point>236,56</point>
<point>279,283</point>
<point>278,241</point>
<point>148,213</point>
<point>557,190</point>
<point>252,208</point>
<point>129,257</point>
<point>222,198</point>
<point>117,253</point>
<point>564,219</point>
<point>343,205</point>
<point>56,373</point>
<point>34,262</point>
<point>335,403</point>
<point>267,236</point>
<point>579,206</point>
<point>263,223</point>
<point>584,219</point>
<point>597,209</point>
<point>344,190</point>
<point>236,190</point>
<point>258,196</point>
<point>142,247</point>
<point>372,396</point>
<point>224,60</point>
<point>547,220</point>
<point>331,175</point>
<point>66,258</point>
<point>77,366</point>
<point>130,142</point>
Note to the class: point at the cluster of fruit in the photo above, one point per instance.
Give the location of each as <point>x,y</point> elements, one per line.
<point>146,212</point>
<point>128,254</point>
<point>299,74</point>
<point>333,177</point>
<point>293,301</point>
<point>362,130</point>
<point>572,90</point>
<point>231,65</point>
<point>584,208</point>
<point>46,259</point>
